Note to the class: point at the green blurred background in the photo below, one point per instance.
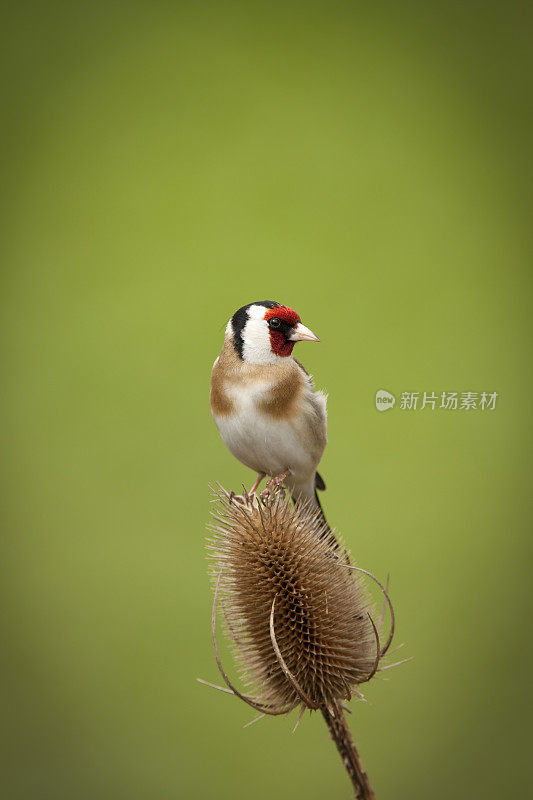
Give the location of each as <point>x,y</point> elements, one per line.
<point>162,165</point>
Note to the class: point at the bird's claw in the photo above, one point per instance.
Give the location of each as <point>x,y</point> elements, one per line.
<point>237,498</point>
<point>275,486</point>
<point>244,499</point>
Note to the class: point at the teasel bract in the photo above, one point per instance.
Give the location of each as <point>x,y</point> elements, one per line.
<point>297,612</point>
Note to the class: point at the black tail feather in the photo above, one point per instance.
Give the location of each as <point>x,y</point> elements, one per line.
<point>319,482</point>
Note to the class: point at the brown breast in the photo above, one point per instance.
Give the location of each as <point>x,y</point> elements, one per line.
<point>221,402</point>
<point>282,400</point>
<point>285,384</point>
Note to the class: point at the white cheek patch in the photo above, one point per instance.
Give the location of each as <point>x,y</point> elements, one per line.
<point>256,338</point>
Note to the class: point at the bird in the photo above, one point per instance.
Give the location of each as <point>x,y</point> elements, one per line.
<point>264,402</point>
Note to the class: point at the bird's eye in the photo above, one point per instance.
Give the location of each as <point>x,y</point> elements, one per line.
<point>274,323</point>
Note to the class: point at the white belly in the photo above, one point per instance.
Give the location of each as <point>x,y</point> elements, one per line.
<point>269,445</point>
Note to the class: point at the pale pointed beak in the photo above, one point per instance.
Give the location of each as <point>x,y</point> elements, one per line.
<point>303,334</point>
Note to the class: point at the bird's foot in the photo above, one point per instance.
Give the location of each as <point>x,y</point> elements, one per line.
<point>237,498</point>
<point>255,486</point>
<point>245,499</point>
<point>275,486</point>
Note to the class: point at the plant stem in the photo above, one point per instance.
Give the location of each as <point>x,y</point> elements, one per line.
<point>340,733</point>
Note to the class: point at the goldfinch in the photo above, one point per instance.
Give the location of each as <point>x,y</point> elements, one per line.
<point>264,402</point>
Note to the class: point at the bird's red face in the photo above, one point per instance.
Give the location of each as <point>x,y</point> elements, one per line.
<point>285,329</point>
<point>281,322</point>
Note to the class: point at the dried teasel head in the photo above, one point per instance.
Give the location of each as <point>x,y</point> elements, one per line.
<point>297,612</point>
